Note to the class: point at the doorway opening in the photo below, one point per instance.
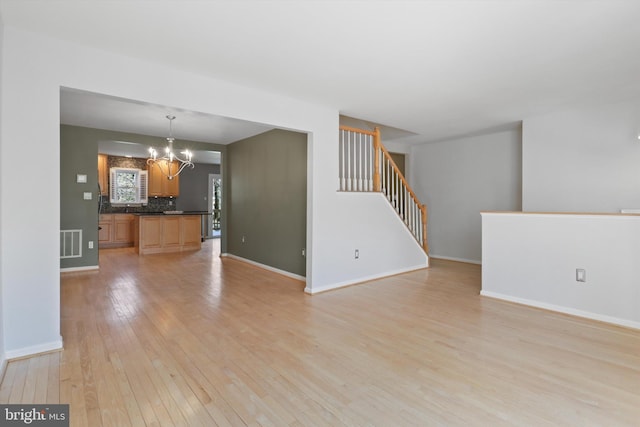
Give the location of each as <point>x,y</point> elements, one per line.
<point>215,207</point>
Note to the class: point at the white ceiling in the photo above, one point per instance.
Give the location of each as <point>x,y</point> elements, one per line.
<point>106,112</point>
<point>92,110</point>
<point>436,69</point>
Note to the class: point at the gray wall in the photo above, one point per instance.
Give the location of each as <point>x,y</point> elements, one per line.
<point>267,199</point>
<point>458,179</point>
<point>2,353</point>
<point>194,183</point>
<point>584,159</point>
<point>79,156</point>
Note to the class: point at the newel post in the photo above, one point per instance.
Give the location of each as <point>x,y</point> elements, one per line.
<point>376,159</point>
<point>425,244</point>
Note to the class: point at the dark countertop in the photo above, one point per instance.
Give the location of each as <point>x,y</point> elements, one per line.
<point>172,214</point>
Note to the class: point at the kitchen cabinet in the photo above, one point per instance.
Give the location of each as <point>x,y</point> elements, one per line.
<point>116,230</point>
<point>192,231</point>
<point>166,233</point>
<point>105,223</point>
<point>148,233</point>
<point>103,174</point>
<point>122,228</point>
<point>159,184</point>
<point>171,231</point>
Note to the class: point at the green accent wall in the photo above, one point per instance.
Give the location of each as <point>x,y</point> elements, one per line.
<point>267,199</point>
<point>78,155</point>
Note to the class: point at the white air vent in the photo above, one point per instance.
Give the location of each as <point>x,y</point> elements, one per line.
<point>70,244</point>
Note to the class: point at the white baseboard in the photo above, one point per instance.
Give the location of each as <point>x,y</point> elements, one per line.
<point>266,267</point>
<point>449,258</point>
<point>85,268</point>
<point>565,310</point>
<point>33,350</point>
<point>360,280</point>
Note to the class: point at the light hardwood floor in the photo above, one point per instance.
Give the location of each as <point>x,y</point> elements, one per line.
<point>192,339</point>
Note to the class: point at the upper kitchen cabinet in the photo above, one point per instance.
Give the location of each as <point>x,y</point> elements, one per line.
<point>159,184</point>
<point>103,174</point>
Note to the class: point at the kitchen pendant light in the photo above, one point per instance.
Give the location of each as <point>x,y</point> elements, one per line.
<point>170,158</point>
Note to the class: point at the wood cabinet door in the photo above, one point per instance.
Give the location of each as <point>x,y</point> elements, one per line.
<point>171,231</point>
<point>173,185</point>
<point>122,229</point>
<point>159,184</point>
<point>191,229</point>
<point>104,232</point>
<point>105,228</point>
<point>150,232</point>
<point>155,181</point>
<point>103,174</point>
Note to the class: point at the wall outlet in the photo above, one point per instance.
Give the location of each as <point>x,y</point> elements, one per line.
<point>303,252</point>
<point>87,195</point>
<point>357,254</point>
<point>90,244</point>
<point>242,239</point>
<point>581,275</point>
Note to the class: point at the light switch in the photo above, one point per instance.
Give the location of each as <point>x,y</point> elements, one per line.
<point>81,178</point>
<point>88,195</point>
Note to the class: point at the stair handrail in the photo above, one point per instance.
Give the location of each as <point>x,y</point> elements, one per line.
<point>405,184</point>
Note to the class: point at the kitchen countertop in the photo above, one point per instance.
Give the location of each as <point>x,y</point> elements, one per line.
<point>626,212</point>
<point>170,214</point>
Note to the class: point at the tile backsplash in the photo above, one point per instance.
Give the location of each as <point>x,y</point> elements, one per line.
<point>156,204</point>
<point>126,162</point>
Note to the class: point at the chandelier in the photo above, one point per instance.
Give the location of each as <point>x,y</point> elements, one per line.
<point>170,164</point>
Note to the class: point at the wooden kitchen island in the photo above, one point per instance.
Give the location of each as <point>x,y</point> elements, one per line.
<point>161,233</point>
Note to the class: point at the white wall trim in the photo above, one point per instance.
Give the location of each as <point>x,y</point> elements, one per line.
<point>33,350</point>
<point>3,367</point>
<point>595,215</point>
<point>84,268</point>
<point>362,280</point>
<point>562,309</point>
<point>449,258</point>
<point>266,267</point>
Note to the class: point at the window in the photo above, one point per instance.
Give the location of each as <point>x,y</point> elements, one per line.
<point>128,186</point>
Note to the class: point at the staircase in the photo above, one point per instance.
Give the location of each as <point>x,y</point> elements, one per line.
<point>366,166</point>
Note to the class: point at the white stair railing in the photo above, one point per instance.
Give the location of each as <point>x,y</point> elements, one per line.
<point>366,165</point>
<point>356,160</point>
